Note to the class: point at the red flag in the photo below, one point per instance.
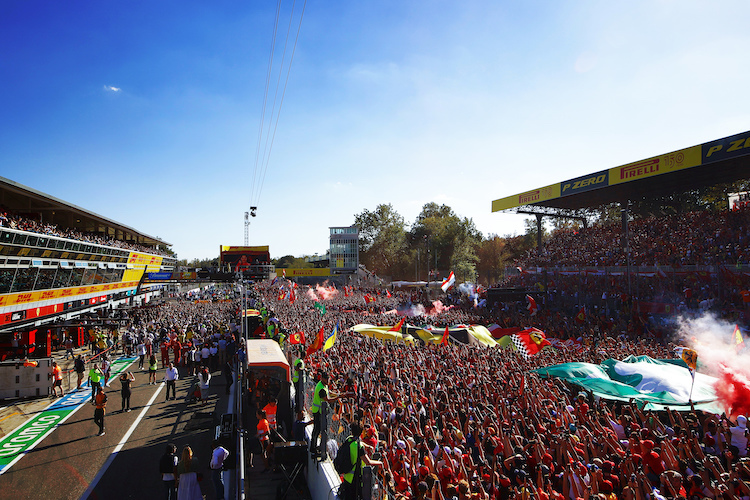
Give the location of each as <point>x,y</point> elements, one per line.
<point>297,338</point>
<point>292,296</point>
<point>581,316</point>
<point>317,343</point>
<point>531,306</point>
<point>346,291</point>
<point>397,326</point>
<point>530,341</point>
<point>444,340</point>
<point>369,299</point>
<point>388,294</point>
<point>522,385</point>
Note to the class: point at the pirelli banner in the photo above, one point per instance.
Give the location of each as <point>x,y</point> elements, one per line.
<point>710,152</point>
<point>299,272</point>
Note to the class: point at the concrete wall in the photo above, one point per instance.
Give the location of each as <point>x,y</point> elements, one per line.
<point>18,381</point>
<point>322,479</point>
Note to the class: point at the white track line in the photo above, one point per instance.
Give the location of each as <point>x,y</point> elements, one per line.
<point>90,489</point>
<point>43,436</point>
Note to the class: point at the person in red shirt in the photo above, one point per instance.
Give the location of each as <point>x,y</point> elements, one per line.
<point>270,410</point>
<point>653,465</point>
<point>164,354</point>
<point>582,408</point>
<point>264,436</point>
<point>56,380</point>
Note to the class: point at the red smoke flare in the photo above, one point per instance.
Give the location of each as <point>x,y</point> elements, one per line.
<point>733,391</point>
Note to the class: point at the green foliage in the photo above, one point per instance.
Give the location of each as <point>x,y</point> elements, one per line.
<point>199,263</point>
<point>493,255</point>
<point>382,241</point>
<point>449,239</point>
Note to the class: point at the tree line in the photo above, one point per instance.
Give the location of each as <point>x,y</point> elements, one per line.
<point>440,241</point>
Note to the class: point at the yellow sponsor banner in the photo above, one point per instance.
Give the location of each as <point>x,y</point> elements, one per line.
<point>529,197</point>
<point>11,299</point>
<point>301,272</point>
<point>663,164</point>
<point>151,263</point>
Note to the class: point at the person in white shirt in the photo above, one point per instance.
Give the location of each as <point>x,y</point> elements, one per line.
<point>205,353</point>
<point>204,377</point>
<point>738,435</point>
<point>140,350</point>
<point>170,377</point>
<point>217,463</point>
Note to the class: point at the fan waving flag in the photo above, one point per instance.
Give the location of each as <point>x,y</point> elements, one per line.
<point>297,338</point>
<point>448,282</point>
<point>320,307</point>
<point>530,341</point>
<point>581,316</point>
<point>444,340</point>
<point>397,326</point>
<point>531,305</point>
<point>317,343</point>
<point>331,338</point>
<point>690,357</point>
<point>739,342</point>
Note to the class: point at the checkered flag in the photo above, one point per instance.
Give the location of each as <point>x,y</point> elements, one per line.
<point>520,346</point>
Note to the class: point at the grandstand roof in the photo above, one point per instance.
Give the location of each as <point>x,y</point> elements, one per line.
<point>26,201</point>
<point>720,161</point>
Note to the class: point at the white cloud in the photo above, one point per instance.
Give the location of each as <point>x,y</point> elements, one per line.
<point>110,88</point>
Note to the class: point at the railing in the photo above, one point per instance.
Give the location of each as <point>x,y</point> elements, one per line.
<point>336,428</point>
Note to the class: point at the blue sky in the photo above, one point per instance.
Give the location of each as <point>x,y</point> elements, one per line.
<point>149,112</point>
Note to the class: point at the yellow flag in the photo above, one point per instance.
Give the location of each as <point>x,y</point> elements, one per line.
<point>331,339</point>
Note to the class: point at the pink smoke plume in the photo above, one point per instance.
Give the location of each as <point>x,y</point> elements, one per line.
<point>420,310</point>
<point>733,391</point>
<point>438,307</point>
<point>321,293</point>
<point>326,293</point>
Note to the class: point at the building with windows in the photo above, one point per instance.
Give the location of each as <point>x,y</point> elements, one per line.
<point>58,261</point>
<point>344,250</point>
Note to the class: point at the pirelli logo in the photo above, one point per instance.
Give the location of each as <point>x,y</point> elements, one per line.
<point>640,169</point>
<point>529,197</point>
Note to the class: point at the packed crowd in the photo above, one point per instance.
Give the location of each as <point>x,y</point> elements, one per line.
<point>459,421</point>
<point>13,221</point>
<point>692,238</point>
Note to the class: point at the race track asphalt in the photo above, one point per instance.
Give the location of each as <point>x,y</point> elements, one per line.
<point>73,462</point>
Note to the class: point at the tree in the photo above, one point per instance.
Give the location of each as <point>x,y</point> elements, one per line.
<point>493,255</point>
<point>382,240</point>
<point>531,232</point>
<point>464,261</point>
<point>199,263</point>
<point>442,233</point>
<point>288,261</point>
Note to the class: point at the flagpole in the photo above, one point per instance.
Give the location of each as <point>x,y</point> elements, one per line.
<point>690,397</point>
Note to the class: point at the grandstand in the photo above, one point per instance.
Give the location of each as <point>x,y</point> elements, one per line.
<point>657,263</point>
<point>58,261</point>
